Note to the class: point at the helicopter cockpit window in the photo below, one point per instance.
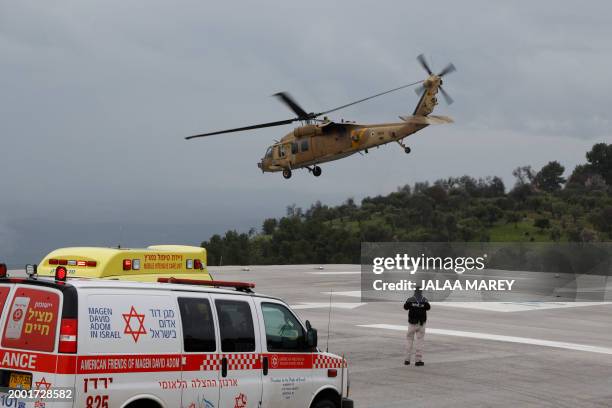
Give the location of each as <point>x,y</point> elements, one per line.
<point>304,145</point>
<point>281,151</point>
<point>268,153</point>
<point>294,147</point>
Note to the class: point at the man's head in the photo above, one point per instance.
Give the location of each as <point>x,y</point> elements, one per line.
<point>418,292</point>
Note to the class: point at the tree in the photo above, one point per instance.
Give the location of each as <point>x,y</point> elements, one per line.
<point>269,225</point>
<point>602,220</point>
<point>495,187</point>
<point>524,175</point>
<point>600,160</point>
<point>581,174</point>
<point>555,234</point>
<point>512,217</point>
<point>541,223</point>
<point>550,177</point>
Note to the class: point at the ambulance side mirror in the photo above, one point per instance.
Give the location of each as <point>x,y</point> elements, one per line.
<point>311,336</point>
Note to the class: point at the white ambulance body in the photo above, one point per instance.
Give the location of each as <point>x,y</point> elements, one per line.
<point>133,344</point>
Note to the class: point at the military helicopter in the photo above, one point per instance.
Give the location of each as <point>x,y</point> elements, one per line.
<point>322,140</point>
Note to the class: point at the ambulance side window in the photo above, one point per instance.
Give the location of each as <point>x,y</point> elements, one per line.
<point>284,332</point>
<point>198,325</point>
<point>236,326</point>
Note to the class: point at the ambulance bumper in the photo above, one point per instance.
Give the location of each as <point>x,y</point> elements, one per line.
<point>347,403</point>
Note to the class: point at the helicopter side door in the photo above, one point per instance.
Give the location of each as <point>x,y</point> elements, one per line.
<point>282,155</point>
<point>302,150</point>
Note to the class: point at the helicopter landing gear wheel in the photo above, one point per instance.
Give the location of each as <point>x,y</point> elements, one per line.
<point>316,171</point>
<point>406,148</point>
<point>287,173</point>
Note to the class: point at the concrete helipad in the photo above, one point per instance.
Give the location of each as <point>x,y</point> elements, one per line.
<point>477,355</point>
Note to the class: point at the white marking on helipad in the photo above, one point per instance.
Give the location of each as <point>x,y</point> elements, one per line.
<point>506,307</point>
<point>349,293</point>
<point>336,273</point>
<point>337,305</point>
<point>502,307</point>
<point>497,337</point>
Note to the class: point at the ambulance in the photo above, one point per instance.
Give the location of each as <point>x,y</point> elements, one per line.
<point>108,343</point>
<point>142,265</point>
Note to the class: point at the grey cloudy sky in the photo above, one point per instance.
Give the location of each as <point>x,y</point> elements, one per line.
<point>97,97</point>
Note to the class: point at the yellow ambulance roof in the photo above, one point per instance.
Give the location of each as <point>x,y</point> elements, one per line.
<point>145,264</point>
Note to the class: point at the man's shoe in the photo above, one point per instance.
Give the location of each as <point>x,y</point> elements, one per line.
<point>406,362</point>
<point>419,363</point>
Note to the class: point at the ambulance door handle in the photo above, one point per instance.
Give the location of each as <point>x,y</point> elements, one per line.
<point>224,367</point>
<point>265,366</point>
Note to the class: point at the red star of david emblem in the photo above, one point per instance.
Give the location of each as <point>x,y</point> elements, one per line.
<point>42,383</point>
<point>128,324</point>
<point>240,401</point>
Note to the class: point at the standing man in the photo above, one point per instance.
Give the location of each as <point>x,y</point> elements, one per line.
<point>417,307</point>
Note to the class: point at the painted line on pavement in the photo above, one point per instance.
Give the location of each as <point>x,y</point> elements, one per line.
<point>325,305</point>
<point>497,337</point>
<point>336,273</point>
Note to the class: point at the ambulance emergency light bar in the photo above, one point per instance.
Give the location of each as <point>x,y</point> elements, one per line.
<point>239,286</point>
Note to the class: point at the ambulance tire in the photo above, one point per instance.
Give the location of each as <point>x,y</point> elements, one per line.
<point>324,403</point>
<point>143,404</point>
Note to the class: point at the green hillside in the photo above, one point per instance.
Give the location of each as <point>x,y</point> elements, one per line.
<point>541,206</point>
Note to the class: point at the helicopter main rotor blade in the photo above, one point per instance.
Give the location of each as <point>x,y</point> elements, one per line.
<point>369,97</point>
<point>447,70</point>
<point>423,62</point>
<point>261,125</point>
<point>292,104</point>
<point>446,96</point>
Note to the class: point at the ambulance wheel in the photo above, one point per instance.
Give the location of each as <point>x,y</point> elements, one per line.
<point>324,403</point>
<point>407,150</point>
<point>287,173</point>
<point>143,404</point>
<point>316,171</point>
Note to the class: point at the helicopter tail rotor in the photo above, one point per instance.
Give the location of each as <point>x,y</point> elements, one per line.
<point>450,68</point>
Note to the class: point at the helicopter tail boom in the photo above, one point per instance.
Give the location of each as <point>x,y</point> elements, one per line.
<point>427,120</point>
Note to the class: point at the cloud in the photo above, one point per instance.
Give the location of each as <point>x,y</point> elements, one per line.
<point>97,98</point>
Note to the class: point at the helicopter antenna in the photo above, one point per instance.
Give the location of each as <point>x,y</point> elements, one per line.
<point>329,319</point>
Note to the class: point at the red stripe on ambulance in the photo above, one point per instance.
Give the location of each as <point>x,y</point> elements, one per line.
<point>27,361</point>
<point>129,363</point>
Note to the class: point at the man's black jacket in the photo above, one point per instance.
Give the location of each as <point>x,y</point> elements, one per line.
<point>417,309</point>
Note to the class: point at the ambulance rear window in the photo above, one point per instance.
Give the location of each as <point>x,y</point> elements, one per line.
<point>32,320</point>
<point>198,325</point>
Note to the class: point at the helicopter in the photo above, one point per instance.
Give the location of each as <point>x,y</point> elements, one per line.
<point>319,140</point>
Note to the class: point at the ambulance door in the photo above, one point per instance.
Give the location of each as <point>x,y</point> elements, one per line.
<point>29,337</point>
<point>129,347</point>
<point>201,361</point>
<point>286,360</point>
<point>240,381</point>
